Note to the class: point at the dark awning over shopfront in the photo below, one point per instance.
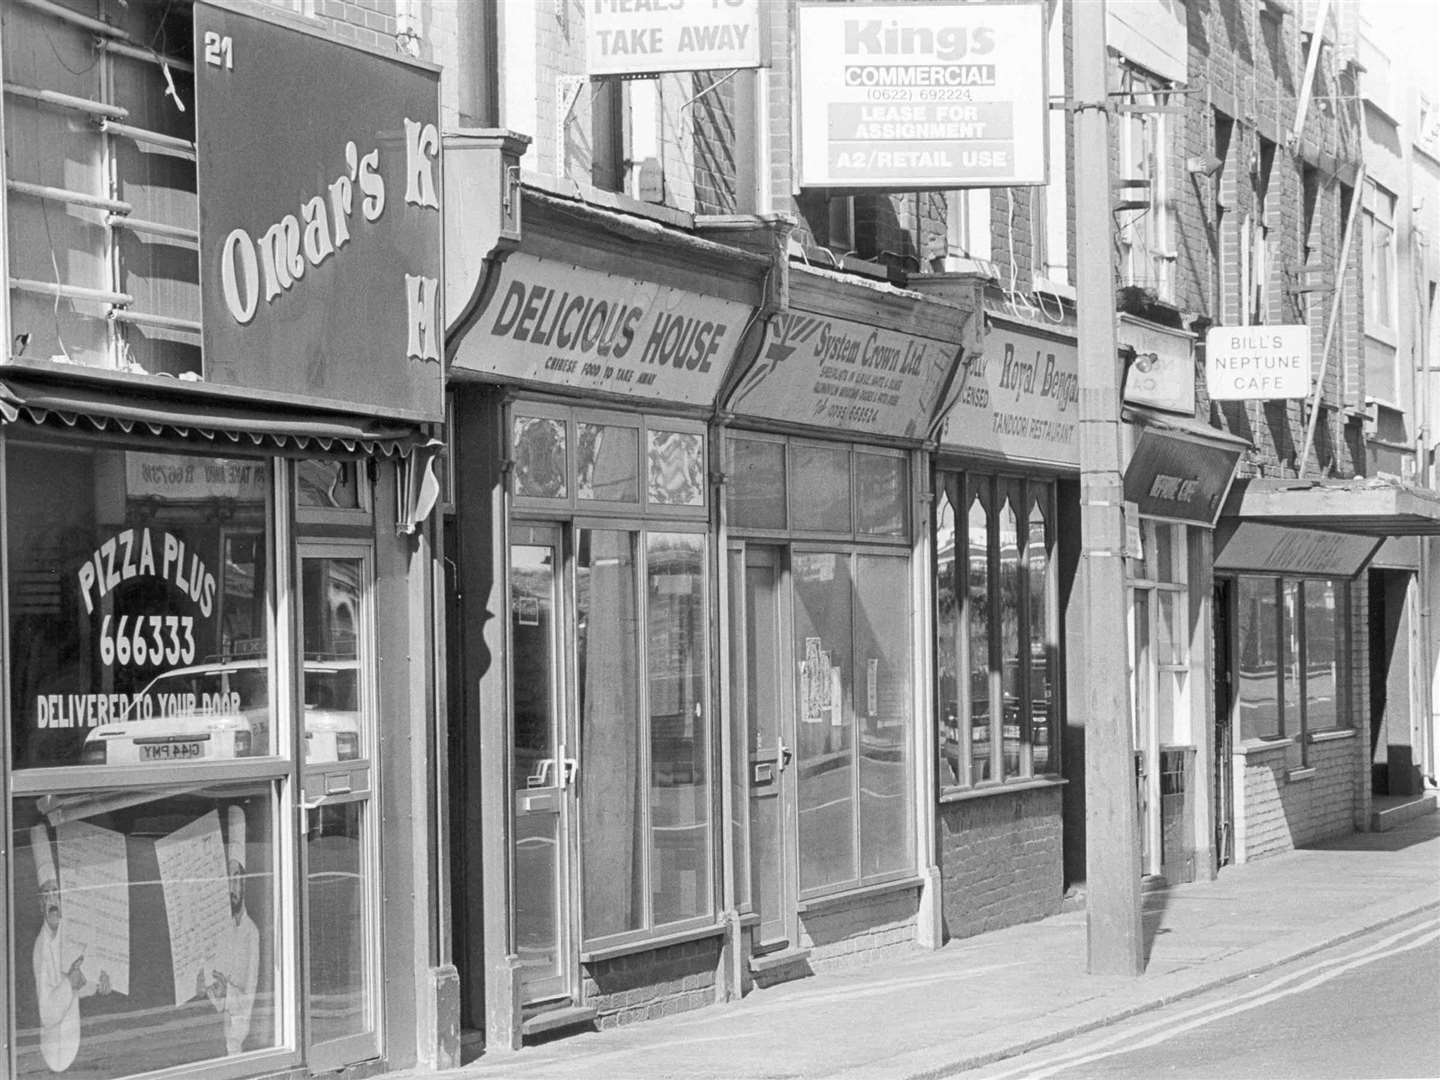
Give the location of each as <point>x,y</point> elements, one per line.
<point>1179,468</point>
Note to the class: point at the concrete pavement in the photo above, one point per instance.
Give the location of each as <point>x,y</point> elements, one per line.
<point>982,999</point>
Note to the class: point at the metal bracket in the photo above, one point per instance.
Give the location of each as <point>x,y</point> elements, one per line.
<point>567,92</point>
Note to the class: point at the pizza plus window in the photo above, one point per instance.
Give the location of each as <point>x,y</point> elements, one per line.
<point>138,599</point>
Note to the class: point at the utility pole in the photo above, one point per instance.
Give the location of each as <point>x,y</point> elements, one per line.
<point>1112,833</point>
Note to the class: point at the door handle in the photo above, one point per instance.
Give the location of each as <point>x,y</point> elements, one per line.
<point>571,768</point>
<point>783,752</point>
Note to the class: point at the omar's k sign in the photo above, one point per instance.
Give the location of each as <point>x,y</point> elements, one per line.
<point>319,176</point>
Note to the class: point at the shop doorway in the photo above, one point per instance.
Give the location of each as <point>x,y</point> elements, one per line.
<point>760,657</point>
<point>542,772</point>
<point>1224,734</point>
<point>340,946</point>
<point>1145,734</point>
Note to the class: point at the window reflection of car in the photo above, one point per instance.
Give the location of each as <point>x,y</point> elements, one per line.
<point>221,710</point>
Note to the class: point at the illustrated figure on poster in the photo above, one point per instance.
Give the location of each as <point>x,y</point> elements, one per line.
<point>59,979</point>
<point>231,985</point>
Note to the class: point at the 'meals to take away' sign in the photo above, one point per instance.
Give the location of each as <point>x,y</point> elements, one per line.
<point>920,96</point>
<point>1017,399</point>
<point>647,37</point>
<point>553,323</point>
<point>319,218</point>
<point>1267,362</point>
<point>850,376</point>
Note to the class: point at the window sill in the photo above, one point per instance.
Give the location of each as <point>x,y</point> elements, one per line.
<point>1003,788</point>
<point>1292,775</point>
<point>820,903</point>
<point>1062,289</point>
<point>649,944</point>
<point>1260,746</point>
<point>1332,735</point>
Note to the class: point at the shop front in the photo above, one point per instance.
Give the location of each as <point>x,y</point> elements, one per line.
<point>1005,478</point>
<point>1324,727</point>
<point>1177,475</point>
<point>826,532</point>
<point>588,771</point>
<point>212,579</point>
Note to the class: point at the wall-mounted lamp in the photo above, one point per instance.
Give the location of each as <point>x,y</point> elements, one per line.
<point>1203,165</point>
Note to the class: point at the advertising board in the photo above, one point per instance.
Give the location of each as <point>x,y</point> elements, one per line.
<point>320,226</point>
<point>921,96</point>
<point>553,323</point>
<point>623,37</point>
<point>1257,362</point>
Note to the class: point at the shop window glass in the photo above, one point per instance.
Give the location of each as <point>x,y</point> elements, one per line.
<point>1322,653</point>
<point>1164,536</point>
<point>1011,601</point>
<point>1258,625</point>
<point>1171,644</point>
<point>145,927</point>
<point>138,625</point>
<point>607,463</point>
<point>882,702</point>
<point>328,484</point>
<point>612,786</point>
<point>679,732</point>
<point>1042,634</point>
<point>142,307</point>
<point>676,468</point>
<point>820,489</point>
<point>995,629</point>
<point>977,643</point>
<point>1292,686</point>
<point>881,486</point>
<point>825,754</point>
<point>756,488</point>
<point>541,470</point>
<point>331,595</point>
<point>949,658</point>
<point>337,881</point>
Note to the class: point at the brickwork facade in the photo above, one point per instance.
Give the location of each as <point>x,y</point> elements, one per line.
<point>1002,860</point>
<point>649,985</point>
<point>859,931</point>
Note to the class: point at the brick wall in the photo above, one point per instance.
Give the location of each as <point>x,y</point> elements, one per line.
<point>848,935</point>
<point>1001,860</point>
<point>647,985</point>
<point>1252,66</point>
<point>1281,813</point>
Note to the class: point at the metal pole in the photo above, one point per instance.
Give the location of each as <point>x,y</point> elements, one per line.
<point>1112,830</point>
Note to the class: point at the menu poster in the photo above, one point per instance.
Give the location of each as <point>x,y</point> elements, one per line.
<point>95,884</point>
<point>197,898</point>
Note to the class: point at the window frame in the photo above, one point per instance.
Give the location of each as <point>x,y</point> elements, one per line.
<point>276,773</point>
<point>119,312</point>
<point>1297,729</point>
<point>990,487</point>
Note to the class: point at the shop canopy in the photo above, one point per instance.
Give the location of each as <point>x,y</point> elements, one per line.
<point>221,422</point>
<point>1366,506</point>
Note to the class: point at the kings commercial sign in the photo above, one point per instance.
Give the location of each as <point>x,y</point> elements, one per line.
<point>319,218</point>
<point>921,96</point>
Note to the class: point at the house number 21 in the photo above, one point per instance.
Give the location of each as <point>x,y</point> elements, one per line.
<point>219,50</point>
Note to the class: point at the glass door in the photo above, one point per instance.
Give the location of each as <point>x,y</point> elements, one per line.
<point>1146,742</point>
<point>542,770</point>
<point>770,740</point>
<point>338,856</point>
